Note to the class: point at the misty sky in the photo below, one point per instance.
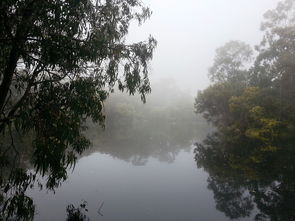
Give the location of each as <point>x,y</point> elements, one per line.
<point>189,31</point>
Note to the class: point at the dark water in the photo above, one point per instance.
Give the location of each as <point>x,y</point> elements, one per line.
<point>157,190</point>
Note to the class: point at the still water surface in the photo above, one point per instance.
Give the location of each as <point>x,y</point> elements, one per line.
<point>143,167</point>
<point>158,189</point>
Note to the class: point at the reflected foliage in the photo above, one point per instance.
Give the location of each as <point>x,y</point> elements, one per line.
<point>240,182</point>
<point>250,156</point>
<point>19,172</point>
<point>230,197</point>
<point>133,132</point>
<point>14,202</point>
<point>15,179</point>
<point>77,214</point>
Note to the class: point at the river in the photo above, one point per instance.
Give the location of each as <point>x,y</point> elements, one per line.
<point>157,190</point>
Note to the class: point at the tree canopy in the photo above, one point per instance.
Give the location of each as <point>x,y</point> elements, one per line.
<point>52,49</point>
<point>58,61</point>
<point>230,62</point>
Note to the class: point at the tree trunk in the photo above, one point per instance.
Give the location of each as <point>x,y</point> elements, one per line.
<point>17,45</point>
<point>8,74</point>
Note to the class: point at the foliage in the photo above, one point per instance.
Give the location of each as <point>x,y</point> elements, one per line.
<point>213,102</point>
<point>249,155</point>
<point>274,66</point>
<point>230,62</point>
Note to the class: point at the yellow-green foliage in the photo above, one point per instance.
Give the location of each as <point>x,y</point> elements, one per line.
<point>245,101</point>
<point>256,112</point>
<point>259,125</point>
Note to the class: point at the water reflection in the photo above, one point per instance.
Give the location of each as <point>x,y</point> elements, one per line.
<point>161,128</point>
<point>134,133</point>
<point>14,180</point>
<point>139,148</point>
<point>19,172</point>
<point>247,179</point>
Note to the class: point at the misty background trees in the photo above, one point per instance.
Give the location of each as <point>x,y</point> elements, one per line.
<point>160,128</point>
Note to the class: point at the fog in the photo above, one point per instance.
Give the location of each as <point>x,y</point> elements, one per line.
<point>189,31</point>
<point>79,142</point>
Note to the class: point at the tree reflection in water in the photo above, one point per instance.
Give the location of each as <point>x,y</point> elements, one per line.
<point>19,170</point>
<point>134,132</point>
<point>161,128</point>
<point>243,184</point>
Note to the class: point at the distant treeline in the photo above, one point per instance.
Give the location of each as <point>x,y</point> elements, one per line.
<point>161,127</point>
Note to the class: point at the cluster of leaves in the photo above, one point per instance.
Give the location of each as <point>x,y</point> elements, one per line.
<point>252,107</point>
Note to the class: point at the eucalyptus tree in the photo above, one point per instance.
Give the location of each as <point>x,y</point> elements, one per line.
<point>274,66</point>
<point>59,59</point>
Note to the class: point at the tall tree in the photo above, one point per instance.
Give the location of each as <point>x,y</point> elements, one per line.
<point>58,60</point>
<point>274,64</point>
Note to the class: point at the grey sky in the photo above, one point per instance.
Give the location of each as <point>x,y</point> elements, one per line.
<point>189,31</point>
